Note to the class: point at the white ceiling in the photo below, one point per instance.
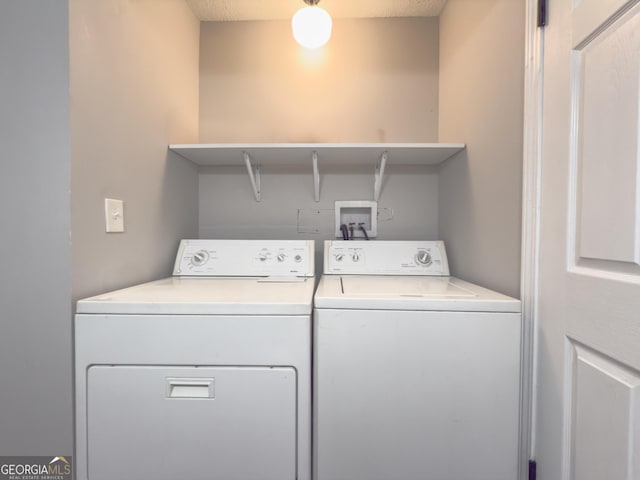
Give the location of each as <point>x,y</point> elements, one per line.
<point>234,10</point>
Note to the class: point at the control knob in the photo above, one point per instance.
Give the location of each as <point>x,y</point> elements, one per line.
<point>423,258</point>
<point>199,258</point>
<point>356,257</point>
<point>281,257</point>
<point>339,257</point>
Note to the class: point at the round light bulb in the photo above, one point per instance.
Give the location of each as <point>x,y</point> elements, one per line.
<point>311,27</point>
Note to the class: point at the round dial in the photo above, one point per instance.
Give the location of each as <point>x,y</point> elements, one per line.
<point>281,257</point>
<point>339,257</point>
<point>264,255</point>
<point>423,258</point>
<point>356,257</point>
<point>200,258</point>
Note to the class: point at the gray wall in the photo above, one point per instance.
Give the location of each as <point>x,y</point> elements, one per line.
<point>408,204</point>
<point>36,416</point>
<point>481,104</point>
<point>132,70</point>
<point>375,81</point>
<point>134,90</point>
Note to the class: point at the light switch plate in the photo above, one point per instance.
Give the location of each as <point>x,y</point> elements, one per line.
<point>114,215</point>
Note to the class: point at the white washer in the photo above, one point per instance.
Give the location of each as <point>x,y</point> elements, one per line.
<point>203,375</point>
<point>416,373</point>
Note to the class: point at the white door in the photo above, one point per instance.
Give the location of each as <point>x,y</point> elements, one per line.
<point>587,415</point>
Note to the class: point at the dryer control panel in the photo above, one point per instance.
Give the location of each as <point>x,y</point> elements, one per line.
<point>385,258</point>
<point>245,258</point>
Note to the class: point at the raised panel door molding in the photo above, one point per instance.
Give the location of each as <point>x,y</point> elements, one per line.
<point>605,413</point>
<point>605,196</point>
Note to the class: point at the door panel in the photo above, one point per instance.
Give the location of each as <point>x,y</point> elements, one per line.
<point>200,423</point>
<point>590,15</point>
<point>606,73</point>
<point>606,401</point>
<point>588,307</point>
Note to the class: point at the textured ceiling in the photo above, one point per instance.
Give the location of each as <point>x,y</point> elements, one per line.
<point>233,10</point>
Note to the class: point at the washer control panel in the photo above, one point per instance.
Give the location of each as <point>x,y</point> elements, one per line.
<point>245,258</point>
<point>385,257</point>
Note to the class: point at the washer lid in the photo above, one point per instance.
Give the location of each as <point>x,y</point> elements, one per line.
<point>366,292</point>
<point>208,296</point>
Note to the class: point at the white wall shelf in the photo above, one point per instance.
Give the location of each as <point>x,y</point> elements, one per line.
<point>378,155</point>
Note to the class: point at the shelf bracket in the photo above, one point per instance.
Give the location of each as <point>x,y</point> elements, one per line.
<point>254,175</point>
<point>316,176</point>
<point>379,175</point>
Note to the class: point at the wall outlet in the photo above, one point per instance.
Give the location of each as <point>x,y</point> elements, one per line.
<point>113,215</point>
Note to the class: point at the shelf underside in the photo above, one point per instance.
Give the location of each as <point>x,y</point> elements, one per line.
<point>327,154</point>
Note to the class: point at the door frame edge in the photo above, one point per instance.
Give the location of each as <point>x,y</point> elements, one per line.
<point>531,187</point>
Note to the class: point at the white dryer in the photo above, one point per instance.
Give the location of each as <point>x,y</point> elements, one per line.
<point>203,375</point>
<point>416,373</point>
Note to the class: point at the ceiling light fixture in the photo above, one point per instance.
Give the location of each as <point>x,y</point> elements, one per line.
<point>311,25</point>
